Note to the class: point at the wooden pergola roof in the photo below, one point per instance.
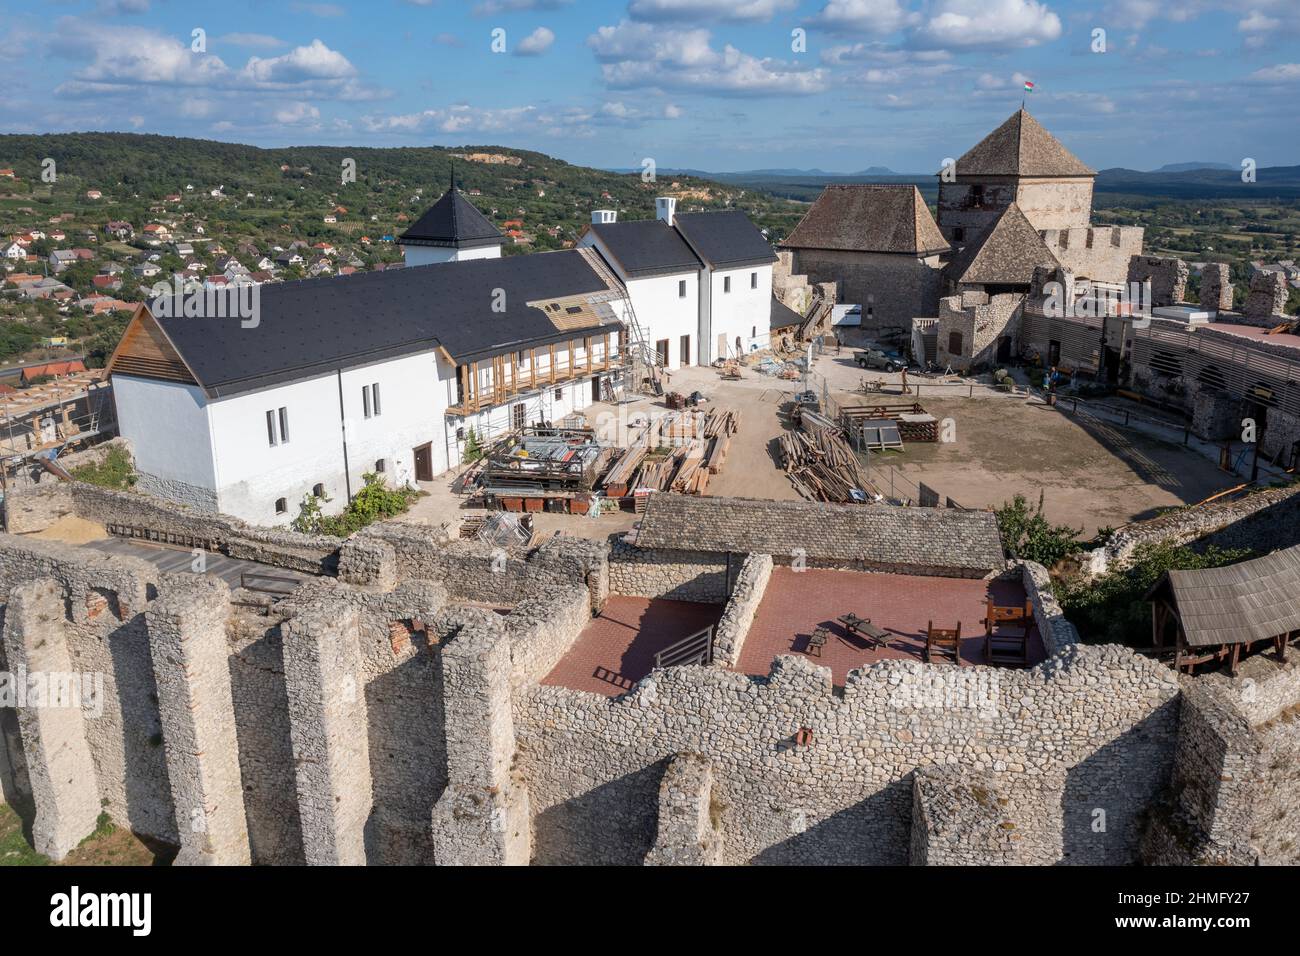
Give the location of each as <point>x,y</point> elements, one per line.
<point>1251,601</point>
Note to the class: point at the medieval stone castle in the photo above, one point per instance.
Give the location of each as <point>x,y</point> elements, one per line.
<point>408,702</point>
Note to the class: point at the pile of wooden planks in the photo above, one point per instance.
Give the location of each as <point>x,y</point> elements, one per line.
<point>620,476</point>
<point>822,466</point>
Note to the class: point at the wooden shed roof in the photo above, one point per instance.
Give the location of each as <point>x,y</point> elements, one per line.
<point>1251,601</point>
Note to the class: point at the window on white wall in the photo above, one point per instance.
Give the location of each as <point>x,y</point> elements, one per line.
<point>681,288</point>
<point>753,280</point>
<point>365,400</point>
<point>381,466</point>
<point>284,425</point>
<point>374,398</point>
<point>726,283</point>
<point>318,490</point>
<point>281,505</point>
<point>270,428</point>
<point>559,394</point>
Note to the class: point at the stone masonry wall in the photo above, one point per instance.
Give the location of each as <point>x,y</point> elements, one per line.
<point>961,818</point>
<point>729,636</point>
<point>1101,716</point>
<point>677,575</point>
<point>1168,278</point>
<point>891,288</point>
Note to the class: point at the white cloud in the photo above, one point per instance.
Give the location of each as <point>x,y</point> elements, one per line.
<point>262,40</point>
<point>988,24</point>
<point>1257,22</point>
<point>490,8</point>
<point>673,111</point>
<point>864,16</point>
<point>641,56</point>
<point>697,10</point>
<point>292,114</point>
<point>536,43</point>
<point>1281,73</point>
<point>315,61</point>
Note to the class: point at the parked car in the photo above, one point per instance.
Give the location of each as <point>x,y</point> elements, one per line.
<point>876,358</point>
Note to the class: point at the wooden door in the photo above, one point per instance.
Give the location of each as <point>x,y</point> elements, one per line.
<point>424,462</point>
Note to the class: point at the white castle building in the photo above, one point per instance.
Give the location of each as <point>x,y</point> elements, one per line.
<point>392,371</point>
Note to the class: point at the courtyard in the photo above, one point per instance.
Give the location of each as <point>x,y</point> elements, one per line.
<point>618,647</point>
<point>1091,474</point>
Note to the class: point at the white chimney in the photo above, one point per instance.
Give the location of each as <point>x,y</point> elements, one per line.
<point>665,208</point>
<point>601,216</point>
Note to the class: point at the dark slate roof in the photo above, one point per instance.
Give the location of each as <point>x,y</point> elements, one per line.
<point>1005,253</point>
<point>646,247</point>
<point>314,326</point>
<point>452,221</point>
<point>1020,147</point>
<point>1250,601</point>
<point>869,218</point>
<point>724,240</point>
<point>783,316</point>
<point>874,534</point>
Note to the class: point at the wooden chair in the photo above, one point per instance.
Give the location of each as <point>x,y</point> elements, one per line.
<point>1006,634</point>
<point>817,639</point>
<point>942,640</point>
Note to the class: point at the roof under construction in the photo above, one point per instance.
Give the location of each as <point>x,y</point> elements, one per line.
<point>1250,601</point>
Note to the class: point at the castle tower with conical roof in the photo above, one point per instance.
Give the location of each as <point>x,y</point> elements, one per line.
<point>452,230</point>
<point>1019,162</point>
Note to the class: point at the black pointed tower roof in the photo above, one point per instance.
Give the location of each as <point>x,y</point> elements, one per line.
<point>452,221</point>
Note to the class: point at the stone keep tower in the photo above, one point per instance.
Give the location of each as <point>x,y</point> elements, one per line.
<point>1019,162</point>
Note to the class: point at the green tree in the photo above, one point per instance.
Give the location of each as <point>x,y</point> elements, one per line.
<point>1028,535</point>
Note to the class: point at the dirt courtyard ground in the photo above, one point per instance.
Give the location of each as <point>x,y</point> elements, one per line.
<point>1091,475</point>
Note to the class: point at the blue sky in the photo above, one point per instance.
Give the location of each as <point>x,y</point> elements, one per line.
<point>690,83</point>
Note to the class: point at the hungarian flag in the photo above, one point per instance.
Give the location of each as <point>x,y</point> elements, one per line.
<point>1029,87</point>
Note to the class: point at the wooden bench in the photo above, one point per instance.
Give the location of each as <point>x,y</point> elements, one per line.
<point>817,640</point>
<point>862,625</point>
<point>1006,634</point>
<point>942,641</point>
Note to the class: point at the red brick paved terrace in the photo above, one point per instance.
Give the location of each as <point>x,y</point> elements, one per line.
<point>618,648</point>
<point>796,602</point>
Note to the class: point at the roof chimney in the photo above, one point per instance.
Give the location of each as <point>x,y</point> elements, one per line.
<point>665,208</point>
<point>600,216</point>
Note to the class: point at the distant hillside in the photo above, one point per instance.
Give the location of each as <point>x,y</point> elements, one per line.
<point>299,185</point>
<point>1187,167</point>
<point>1276,182</point>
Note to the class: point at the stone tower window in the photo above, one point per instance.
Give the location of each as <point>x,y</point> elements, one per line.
<point>954,343</point>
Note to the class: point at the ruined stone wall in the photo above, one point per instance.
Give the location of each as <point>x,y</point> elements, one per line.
<point>1267,297</point>
<point>738,615</point>
<point>36,508</point>
<point>964,818</point>
<point>1101,716</point>
<point>1167,275</point>
<point>981,321</point>
<point>1216,287</point>
<point>1057,633</point>
<point>891,288</point>
<point>89,620</point>
<point>676,575</point>
<point>1234,796</point>
<point>1099,253</point>
<point>1264,520</point>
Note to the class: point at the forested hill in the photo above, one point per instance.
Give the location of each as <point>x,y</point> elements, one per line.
<point>131,169</point>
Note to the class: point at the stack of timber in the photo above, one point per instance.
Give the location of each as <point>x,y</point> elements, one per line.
<point>620,477</point>
<point>822,466</point>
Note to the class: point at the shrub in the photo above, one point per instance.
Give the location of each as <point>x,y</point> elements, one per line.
<point>473,449</point>
<point>114,471</point>
<point>1112,609</point>
<point>372,503</point>
<point>1027,534</point>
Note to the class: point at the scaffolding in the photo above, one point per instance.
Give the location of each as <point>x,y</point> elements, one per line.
<point>640,361</point>
<point>41,422</point>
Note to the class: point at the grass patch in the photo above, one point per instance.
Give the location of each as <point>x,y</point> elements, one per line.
<point>114,471</point>
<point>107,845</point>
